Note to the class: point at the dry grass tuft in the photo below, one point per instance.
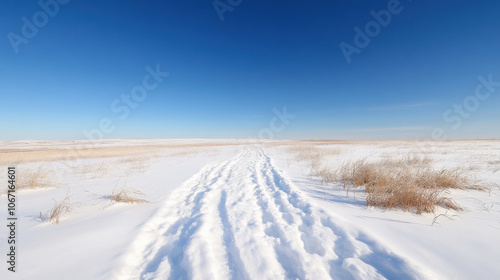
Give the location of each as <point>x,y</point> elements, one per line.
<point>93,171</point>
<point>494,165</point>
<point>407,183</point>
<point>314,155</point>
<point>436,217</point>
<point>304,153</point>
<point>42,177</point>
<point>136,165</point>
<point>54,214</point>
<point>312,152</point>
<point>128,195</point>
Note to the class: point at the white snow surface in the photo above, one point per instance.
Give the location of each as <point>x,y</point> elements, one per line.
<point>248,211</point>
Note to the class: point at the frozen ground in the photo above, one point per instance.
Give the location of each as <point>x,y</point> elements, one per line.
<point>235,210</point>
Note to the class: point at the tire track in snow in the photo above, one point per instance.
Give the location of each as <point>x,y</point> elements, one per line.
<point>160,249</point>
<point>244,215</point>
<point>235,262</point>
<point>289,247</point>
<point>243,219</point>
<point>356,256</point>
<point>192,248</point>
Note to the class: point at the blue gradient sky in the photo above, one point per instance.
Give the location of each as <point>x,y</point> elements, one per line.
<point>227,76</point>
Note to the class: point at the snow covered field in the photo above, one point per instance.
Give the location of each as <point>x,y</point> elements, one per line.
<point>228,209</point>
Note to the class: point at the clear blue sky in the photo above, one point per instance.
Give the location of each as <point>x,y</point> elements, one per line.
<point>226,77</point>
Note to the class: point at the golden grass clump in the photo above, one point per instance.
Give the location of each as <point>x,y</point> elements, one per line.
<point>41,177</point>
<point>53,215</point>
<point>128,195</point>
<point>304,153</point>
<point>316,156</point>
<point>406,183</point>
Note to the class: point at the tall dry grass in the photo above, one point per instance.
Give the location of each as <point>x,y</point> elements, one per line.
<point>409,183</point>
<point>92,150</point>
<point>315,155</point>
<point>92,171</point>
<point>40,177</point>
<point>136,165</point>
<point>127,195</point>
<point>312,152</point>
<point>494,165</point>
<point>54,214</point>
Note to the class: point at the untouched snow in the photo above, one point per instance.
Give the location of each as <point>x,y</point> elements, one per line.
<point>248,211</point>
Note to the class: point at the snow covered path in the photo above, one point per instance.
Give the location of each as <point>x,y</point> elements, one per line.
<point>243,219</point>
